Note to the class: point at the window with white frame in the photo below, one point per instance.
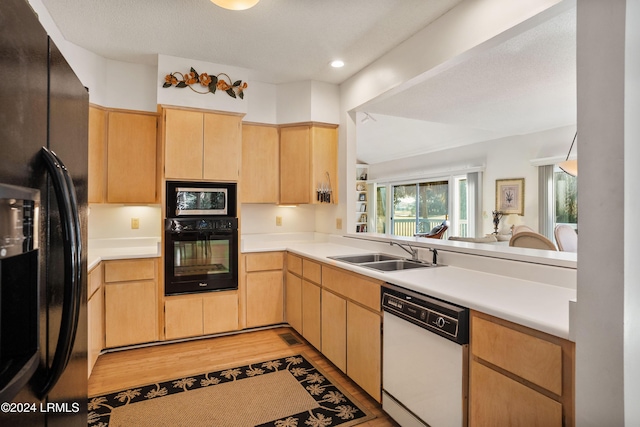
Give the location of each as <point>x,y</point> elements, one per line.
<point>408,208</point>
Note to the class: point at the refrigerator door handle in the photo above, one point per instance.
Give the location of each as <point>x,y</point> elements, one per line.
<point>70,222</point>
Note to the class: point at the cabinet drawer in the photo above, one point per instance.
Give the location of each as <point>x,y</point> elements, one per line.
<point>264,261</point>
<point>312,271</point>
<point>497,400</point>
<point>529,357</point>
<point>127,270</point>
<point>294,264</point>
<point>353,286</point>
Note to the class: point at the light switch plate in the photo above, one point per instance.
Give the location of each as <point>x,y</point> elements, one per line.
<point>135,223</point>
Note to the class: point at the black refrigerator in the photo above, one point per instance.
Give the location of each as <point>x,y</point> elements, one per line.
<point>43,228</point>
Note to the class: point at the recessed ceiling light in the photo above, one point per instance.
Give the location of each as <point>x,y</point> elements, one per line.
<point>337,63</point>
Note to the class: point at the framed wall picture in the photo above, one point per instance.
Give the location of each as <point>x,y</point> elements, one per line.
<point>510,196</point>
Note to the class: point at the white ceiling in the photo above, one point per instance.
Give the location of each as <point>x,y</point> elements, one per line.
<point>281,40</point>
<point>523,85</point>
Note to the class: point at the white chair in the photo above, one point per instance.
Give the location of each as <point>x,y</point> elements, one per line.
<point>566,238</point>
<point>528,239</point>
<point>518,228</point>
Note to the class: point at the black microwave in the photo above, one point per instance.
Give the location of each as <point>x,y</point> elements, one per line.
<point>189,198</point>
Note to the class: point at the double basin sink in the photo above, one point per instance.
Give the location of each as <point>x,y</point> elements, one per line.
<point>381,262</point>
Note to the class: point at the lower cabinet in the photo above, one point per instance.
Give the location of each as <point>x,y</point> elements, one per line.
<point>264,288</point>
<point>130,302</point>
<point>364,346</point>
<point>200,314</point>
<point>95,316</point>
<point>334,329</point>
<point>351,327</point>
<point>302,298</point>
<point>519,376</point>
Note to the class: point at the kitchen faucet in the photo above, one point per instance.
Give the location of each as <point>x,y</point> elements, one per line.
<point>414,252</point>
<point>407,248</point>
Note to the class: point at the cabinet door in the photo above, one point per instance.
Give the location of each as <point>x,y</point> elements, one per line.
<point>95,326</point>
<point>311,313</point>
<point>131,158</point>
<point>496,400</point>
<point>295,164</point>
<point>183,317</point>
<point>265,298</point>
<point>183,143</point>
<point>293,301</point>
<point>334,329</point>
<point>220,312</point>
<point>222,147</point>
<point>97,154</point>
<point>260,164</point>
<point>364,349</point>
<point>130,313</point>
<point>324,159</point>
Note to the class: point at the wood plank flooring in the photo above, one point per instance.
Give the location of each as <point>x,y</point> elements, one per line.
<point>123,369</point>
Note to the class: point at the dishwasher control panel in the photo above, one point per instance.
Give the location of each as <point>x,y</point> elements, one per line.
<point>443,318</point>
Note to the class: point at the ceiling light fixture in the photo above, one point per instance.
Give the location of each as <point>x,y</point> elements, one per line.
<point>367,117</point>
<point>235,4</point>
<point>570,166</point>
<point>337,63</point>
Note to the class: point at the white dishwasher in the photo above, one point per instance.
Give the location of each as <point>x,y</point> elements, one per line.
<point>425,352</point>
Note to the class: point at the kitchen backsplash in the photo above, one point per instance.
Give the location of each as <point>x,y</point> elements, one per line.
<point>115,221</point>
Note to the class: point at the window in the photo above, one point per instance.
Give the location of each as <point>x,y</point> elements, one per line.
<point>557,199</point>
<point>565,189</point>
<point>406,209</point>
<point>418,207</point>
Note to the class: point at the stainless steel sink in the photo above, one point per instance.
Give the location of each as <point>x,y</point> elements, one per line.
<point>381,262</point>
<point>400,264</point>
<point>360,259</point>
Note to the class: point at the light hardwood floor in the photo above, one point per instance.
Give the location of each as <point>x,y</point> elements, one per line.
<point>123,369</point>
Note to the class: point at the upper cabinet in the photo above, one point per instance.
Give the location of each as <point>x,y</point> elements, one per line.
<point>97,154</point>
<point>122,156</point>
<point>260,164</point>
<point>308,164</point>
<point>200,145</point>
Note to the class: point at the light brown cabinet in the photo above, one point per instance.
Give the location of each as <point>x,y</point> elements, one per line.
<point>97,184</point>
<point>122,156</point>
<point>303,307</point>
<point>308,162</point>
<point>351,326</point>
<point>519,376</point>
<point>131,157</point>
<point>334,329</point>
<point>130,302</point>
<point>200,145</point>
<point>260,164</point>
<point>95,316</point>
<point>264,288</point>
<point>200,314</point>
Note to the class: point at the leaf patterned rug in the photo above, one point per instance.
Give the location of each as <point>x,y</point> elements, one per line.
<point>286,392</point>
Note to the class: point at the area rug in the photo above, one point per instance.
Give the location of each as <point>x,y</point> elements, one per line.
<point>286,392</point>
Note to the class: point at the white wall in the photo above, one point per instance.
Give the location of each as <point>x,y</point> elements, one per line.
<point>608,347</point>
<point>261,218</point>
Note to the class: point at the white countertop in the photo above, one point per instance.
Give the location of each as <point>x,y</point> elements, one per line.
<point>536,305</point>
<point>124,248</point>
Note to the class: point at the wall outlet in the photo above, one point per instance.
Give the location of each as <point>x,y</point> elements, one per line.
<point>279,221</point>
<point>135,223</point>
<point>339,223</point>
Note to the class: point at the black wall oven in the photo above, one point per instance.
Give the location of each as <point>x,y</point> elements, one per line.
<point>201,254</point>
<point>201,237</point>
